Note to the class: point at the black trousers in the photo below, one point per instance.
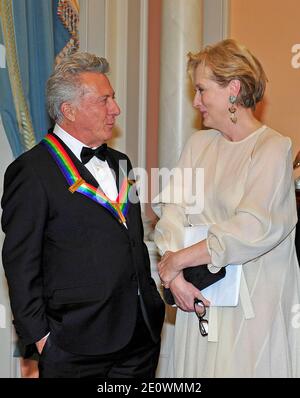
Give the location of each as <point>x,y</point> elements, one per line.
<point>139,358</point>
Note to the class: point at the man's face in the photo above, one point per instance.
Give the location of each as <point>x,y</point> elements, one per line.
<point>96,110</point>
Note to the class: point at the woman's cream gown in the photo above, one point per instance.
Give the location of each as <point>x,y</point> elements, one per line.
<point>249,199</point>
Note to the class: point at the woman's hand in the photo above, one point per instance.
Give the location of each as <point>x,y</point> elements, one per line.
<point>185,292</point>
<point>169,267</point>
<point>172,263</point>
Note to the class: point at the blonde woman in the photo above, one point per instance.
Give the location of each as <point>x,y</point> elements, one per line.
<point>249,205</point>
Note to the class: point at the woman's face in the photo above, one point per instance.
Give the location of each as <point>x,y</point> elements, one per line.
<point>211,99</point>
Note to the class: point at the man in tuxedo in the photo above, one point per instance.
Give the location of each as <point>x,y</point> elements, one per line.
<point>77,268</point>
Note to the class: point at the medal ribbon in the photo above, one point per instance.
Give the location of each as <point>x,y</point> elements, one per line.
<point>118,208</point>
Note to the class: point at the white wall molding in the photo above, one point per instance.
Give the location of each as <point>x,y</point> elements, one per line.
<point>92,26</point>
<point>215,20</point>
<point>143,83</point>
<point>116,44</point>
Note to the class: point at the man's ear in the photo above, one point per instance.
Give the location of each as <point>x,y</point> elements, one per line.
<point>68,110</point>
<point>234,87</point>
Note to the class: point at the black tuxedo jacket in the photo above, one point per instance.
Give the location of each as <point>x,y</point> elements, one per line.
<point>72,268</point>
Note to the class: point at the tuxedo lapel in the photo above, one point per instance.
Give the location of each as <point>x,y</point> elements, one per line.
<point>83,171</point>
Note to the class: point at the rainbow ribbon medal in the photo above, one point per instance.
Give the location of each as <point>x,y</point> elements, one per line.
<point>118,208</point>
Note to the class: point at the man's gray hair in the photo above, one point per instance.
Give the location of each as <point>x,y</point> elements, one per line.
<point>64,84</point>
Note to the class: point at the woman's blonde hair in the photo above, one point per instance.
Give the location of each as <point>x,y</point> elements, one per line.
<point>229,60</point>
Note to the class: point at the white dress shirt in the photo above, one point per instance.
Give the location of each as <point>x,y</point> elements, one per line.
<point>98,168</point>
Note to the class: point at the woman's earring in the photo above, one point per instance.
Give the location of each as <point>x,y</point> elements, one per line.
<point>232,109</point>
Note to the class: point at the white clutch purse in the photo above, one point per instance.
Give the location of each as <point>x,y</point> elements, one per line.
<point>225,292</point>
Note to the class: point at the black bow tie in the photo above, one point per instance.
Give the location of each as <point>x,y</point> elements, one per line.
<point>87,153</point>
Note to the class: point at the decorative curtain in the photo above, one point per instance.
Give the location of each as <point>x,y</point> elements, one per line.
<point>33,33</point>
<point>68,14</point>
<point>11,116</point>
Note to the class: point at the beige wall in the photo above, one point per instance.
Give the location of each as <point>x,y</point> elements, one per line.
<point>270,28</point>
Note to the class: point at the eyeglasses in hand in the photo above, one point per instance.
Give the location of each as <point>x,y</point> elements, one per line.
<point>203,323</point>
